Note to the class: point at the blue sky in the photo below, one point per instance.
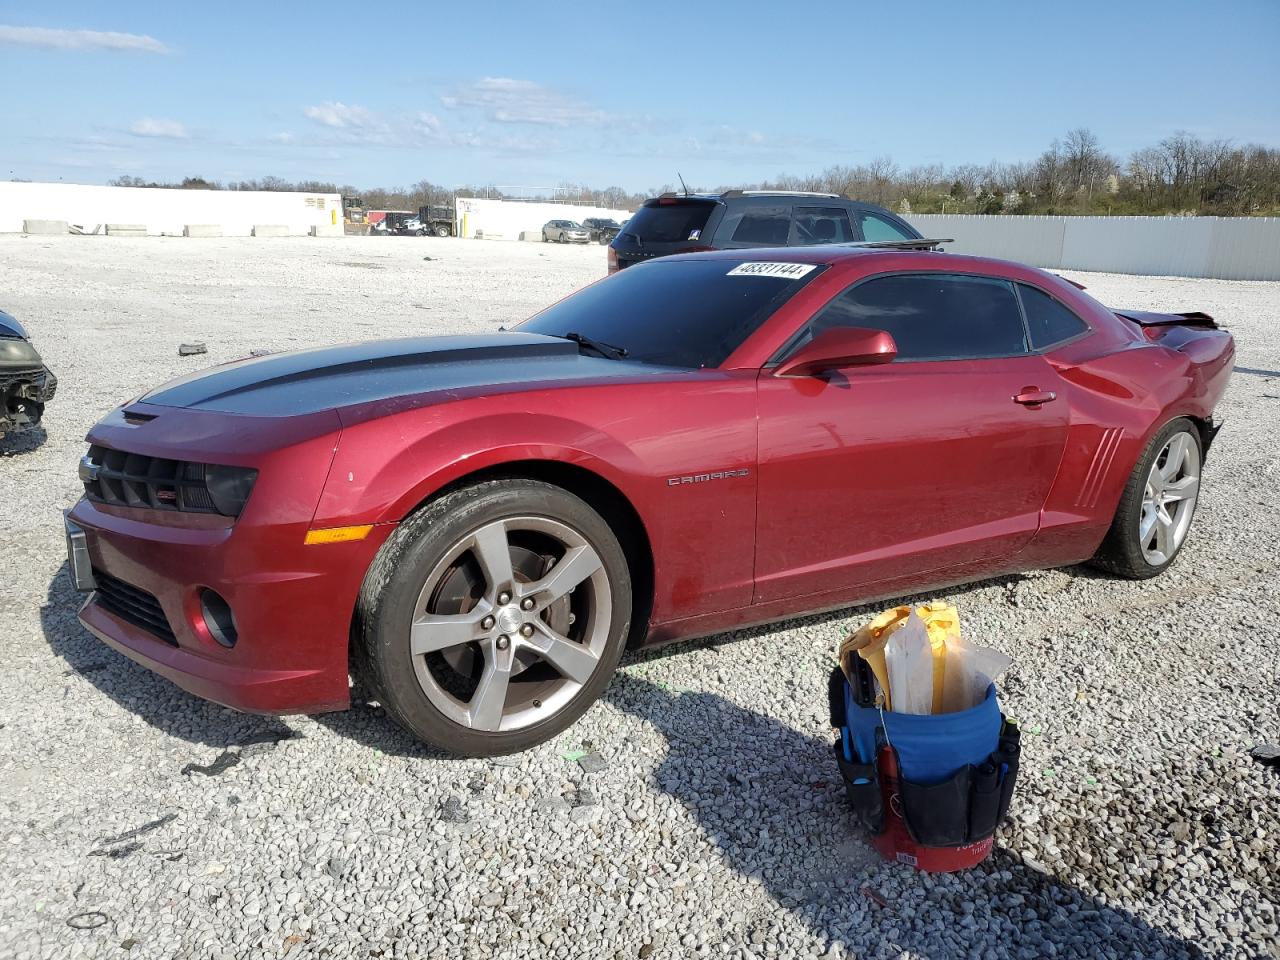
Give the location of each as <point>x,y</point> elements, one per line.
<point>612,94</point>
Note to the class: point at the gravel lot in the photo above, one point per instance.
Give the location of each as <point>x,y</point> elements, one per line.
<point>704,819</point>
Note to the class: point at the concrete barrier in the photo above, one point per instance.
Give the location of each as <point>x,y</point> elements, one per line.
<point>270,230</point>
<point>531,235</point>
<point>327,230</point>
<point>126,229</point>
<point>202,230</point>
<point>1225,248</point>
<point>44,226</point>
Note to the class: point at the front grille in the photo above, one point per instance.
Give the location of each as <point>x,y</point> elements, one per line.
<point>133,480</point>
<point>133,606</point>
<point>37,384</point>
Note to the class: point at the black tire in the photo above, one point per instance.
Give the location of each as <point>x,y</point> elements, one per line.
<point>441,230</point>
<point>1121,552</point>
<point>391,590</point>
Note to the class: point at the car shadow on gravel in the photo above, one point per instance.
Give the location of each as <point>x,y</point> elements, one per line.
<point>770,801</point>
<point>1008,581</point>
<point>24,441</point>
<point>1256,372</point>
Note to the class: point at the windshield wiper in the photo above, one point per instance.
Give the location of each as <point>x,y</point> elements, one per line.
<point>607,350</point>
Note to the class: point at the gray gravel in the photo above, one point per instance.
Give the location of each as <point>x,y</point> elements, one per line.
<point>694,812</point>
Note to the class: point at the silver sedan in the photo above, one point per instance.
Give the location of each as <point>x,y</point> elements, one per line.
<point>565,231</point>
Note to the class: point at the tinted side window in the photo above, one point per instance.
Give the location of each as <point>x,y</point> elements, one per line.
<point>821,225</point>
<point>878,228</point>
<point>1048,321</point>
<point>755,226</point>
<point>933,316</point>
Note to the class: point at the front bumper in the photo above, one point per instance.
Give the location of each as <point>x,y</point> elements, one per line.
<point>292,604</point>
<point>23,395</point>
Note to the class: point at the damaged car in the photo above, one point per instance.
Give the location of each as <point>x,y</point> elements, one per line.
<point>26,384</point>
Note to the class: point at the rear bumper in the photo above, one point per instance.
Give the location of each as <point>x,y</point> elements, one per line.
<point>292,606</point>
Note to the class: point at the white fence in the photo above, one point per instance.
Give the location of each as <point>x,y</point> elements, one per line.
<point>166,211</point>
<point>507,219</point>
<point>1226,248</point>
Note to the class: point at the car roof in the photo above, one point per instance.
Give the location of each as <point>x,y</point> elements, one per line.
<point>763,195</point>
<point>841,253</point>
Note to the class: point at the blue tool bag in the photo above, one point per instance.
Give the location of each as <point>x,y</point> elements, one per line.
<point>956,771</point>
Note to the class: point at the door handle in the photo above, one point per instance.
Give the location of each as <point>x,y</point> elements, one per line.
<point>1034,396</point>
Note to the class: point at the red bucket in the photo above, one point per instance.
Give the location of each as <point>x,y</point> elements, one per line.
<point>895,843</point>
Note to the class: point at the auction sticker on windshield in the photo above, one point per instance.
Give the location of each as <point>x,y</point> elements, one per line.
<point>768,269</point>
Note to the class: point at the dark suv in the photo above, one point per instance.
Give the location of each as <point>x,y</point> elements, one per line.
<point>683,223</point>
<point>602,229</point>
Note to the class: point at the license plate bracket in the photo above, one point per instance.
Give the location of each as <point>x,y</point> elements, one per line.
<point>79,565</point>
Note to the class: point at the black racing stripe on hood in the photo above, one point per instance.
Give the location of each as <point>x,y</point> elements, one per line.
<point>336,377</point>
<point>296,374</point>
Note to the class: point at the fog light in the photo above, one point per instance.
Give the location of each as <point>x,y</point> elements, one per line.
<point>218,618</point>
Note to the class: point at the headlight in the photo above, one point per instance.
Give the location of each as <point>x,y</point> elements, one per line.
<point>15,352</point>
<point>229,487</point>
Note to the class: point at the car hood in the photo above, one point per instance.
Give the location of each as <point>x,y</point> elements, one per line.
<point>9,327</point>
<point>329,378</point>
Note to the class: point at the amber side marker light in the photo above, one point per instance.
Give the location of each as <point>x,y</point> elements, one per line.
<point>338,534</point>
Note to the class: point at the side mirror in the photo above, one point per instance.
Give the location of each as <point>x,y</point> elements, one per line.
<point>839,347</point>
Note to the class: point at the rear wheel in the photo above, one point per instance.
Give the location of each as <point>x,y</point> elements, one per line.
<point>442,230</point>
<point>494,616</point>
<point>1157,506</point>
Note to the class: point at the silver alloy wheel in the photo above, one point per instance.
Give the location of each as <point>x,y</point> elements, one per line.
<point>528,643</point>
<point>1169,499</point>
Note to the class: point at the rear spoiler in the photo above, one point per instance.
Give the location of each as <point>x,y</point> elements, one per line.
<point>1144,318</point>
<point>921,244</point>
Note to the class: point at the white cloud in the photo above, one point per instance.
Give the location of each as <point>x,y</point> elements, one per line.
<point>506,100</point>
<point>164,129</point>
<point>283,137</point>
<point>53,39</point>
<point>340,116</point>
<point>355,125</point>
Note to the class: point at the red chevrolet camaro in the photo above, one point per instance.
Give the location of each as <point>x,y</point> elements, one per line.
<point>477,526</point>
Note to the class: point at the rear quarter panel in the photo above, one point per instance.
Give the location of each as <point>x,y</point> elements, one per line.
<point>1122,387</point>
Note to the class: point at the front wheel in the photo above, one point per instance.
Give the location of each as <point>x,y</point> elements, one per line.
<point>1158,504</point>
<point>494,616</point>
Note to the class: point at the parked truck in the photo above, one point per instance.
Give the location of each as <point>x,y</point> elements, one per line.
<point>436,220</point>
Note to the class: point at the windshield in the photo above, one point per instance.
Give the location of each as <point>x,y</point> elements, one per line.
<point>677,313</point>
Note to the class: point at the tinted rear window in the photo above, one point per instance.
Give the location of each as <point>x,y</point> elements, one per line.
<point>679,313</point>
<point>670,223</point>
<point>1048,321</point>
<point>876,228</point>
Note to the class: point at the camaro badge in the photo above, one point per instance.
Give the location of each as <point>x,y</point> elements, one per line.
<point>704,477</point>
